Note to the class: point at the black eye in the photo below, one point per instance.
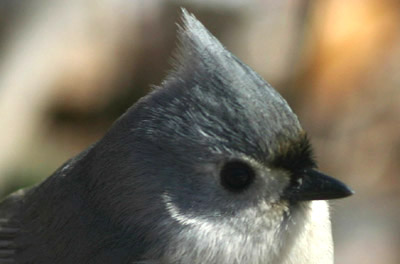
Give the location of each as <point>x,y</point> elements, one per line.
<point>236,175</point>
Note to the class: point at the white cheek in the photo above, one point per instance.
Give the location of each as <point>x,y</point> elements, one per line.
<point>181,218</point>
<point>224,241</point>
<point>321,233</point>
<point>320,212</point>
<point>314,243</point>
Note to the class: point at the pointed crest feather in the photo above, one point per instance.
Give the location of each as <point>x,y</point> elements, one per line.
<point>196,43</point>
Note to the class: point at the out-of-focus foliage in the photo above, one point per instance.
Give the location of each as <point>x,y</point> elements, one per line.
<point>69,68</point>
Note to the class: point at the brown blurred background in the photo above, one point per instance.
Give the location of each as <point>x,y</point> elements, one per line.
<point>69,68</point>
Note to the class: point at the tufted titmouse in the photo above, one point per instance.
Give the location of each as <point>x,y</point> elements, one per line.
<point>211,167</point>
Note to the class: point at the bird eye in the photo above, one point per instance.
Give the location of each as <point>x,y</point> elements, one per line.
<point>236,175</point>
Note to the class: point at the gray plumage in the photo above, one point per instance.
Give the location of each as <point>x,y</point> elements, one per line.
<point>150,191</point>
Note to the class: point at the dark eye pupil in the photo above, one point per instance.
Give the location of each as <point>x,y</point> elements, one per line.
<point>236,175</point>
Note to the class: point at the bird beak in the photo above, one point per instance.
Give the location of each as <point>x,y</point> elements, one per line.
<point>314,185</point>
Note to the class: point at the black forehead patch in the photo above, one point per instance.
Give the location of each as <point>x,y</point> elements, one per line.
<point>294,155</point>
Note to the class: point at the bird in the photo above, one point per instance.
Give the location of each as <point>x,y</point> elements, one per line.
<point>212,166</point>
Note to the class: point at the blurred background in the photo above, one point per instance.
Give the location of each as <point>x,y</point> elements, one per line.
<point>69,68</point>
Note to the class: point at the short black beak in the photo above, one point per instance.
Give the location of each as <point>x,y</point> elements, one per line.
<point>314,185</point>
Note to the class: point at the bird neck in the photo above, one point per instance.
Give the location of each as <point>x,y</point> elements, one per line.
<point>64,225</point>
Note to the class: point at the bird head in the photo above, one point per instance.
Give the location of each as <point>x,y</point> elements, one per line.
<point>214,166</point>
